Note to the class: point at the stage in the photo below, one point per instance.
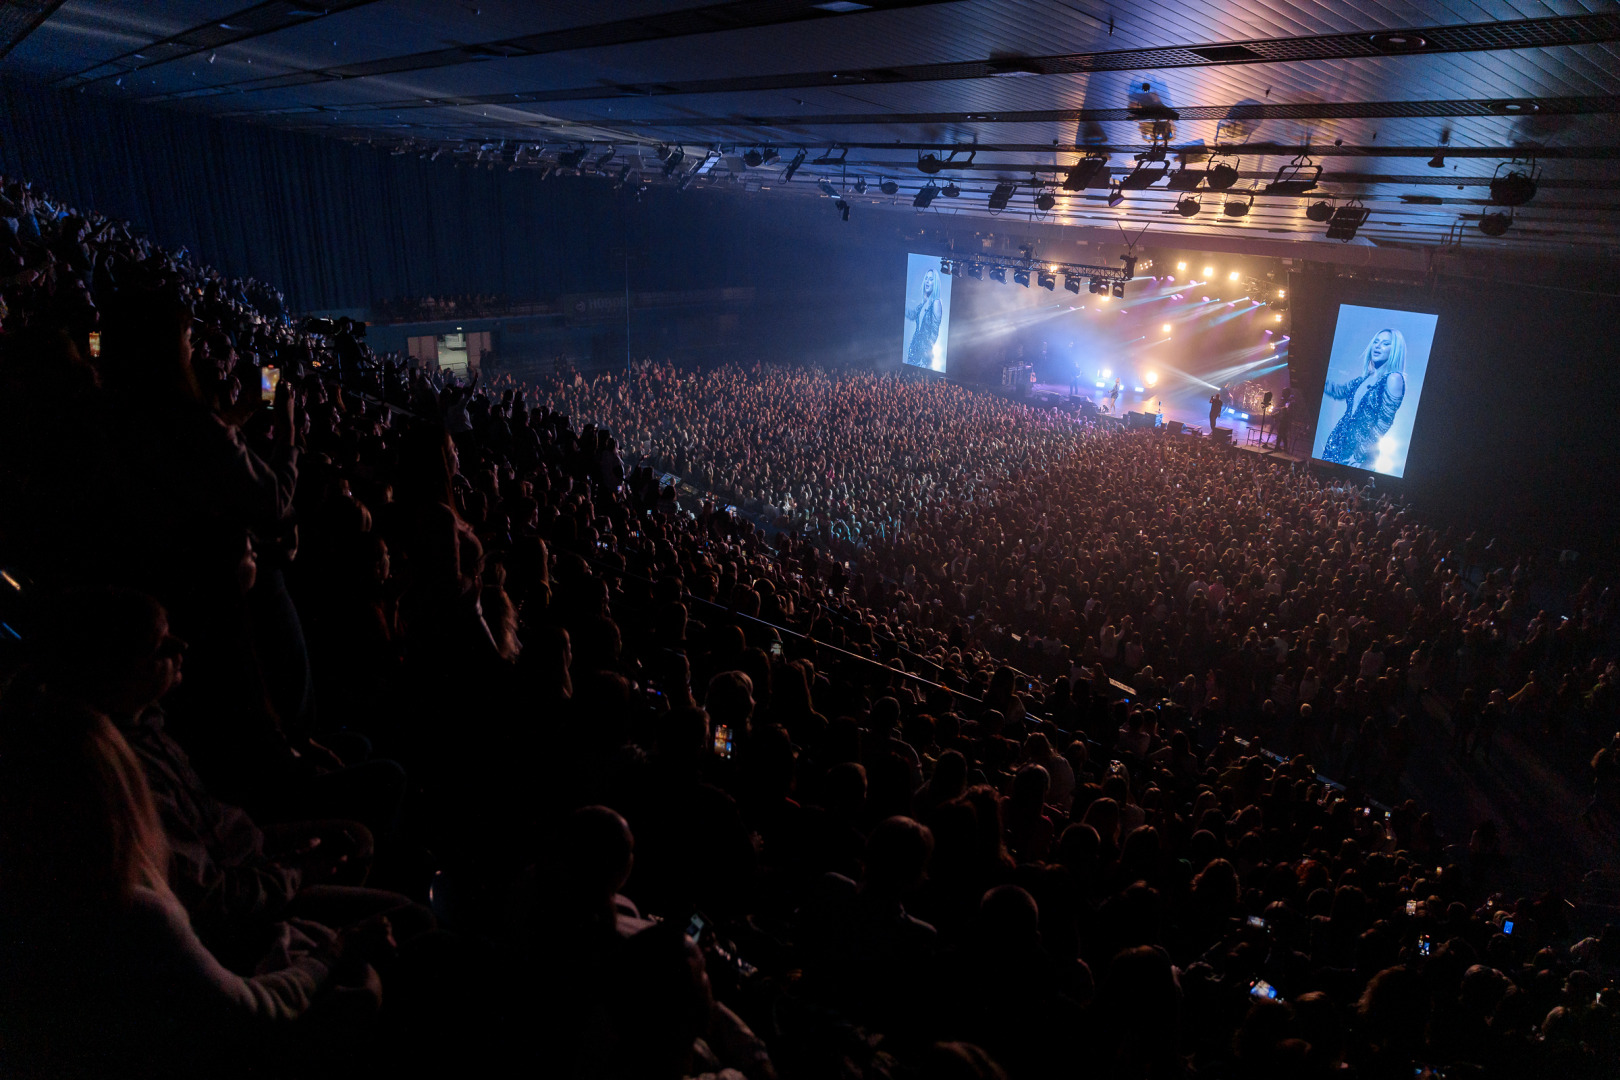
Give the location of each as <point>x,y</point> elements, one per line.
<point>1192,413</point>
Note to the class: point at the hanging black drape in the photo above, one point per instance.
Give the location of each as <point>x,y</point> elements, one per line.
<point>334,224</point>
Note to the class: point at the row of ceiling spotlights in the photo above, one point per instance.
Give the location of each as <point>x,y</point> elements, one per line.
<point>1046,279</point>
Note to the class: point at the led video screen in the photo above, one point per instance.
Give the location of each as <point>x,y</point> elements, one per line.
<point>928,313</point>
<point>1374,383</point>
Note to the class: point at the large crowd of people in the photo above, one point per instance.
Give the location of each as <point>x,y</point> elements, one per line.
<point>357,719</point>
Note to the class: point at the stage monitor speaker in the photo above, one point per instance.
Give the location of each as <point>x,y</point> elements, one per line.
<point>1173,427</point>
<point>1222,436</point>
<point>1141,420</point>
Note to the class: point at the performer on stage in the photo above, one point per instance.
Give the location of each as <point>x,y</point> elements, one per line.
<point>927,313</point>
<point>1215,406</point>
<point>1113,396</point>
<point>1371,401</point>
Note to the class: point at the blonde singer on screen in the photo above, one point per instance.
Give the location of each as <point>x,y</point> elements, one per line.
<point>925,349</point>
<point>1361,438</point>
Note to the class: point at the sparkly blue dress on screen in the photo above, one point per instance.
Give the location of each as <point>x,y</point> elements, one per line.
<point>925,313</point>
<point>1354,439</point>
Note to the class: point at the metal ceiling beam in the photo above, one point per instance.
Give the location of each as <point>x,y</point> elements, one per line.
<point>1368,44</point>
<point>688,22</point>
<point>252,22</point>
<point>19,18</point>
<point>1248,111</point>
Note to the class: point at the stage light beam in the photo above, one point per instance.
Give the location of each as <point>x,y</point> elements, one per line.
<point>1151,378</point>
<point>1209,271</point>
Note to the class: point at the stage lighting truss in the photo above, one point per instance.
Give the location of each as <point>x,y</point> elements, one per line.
<point>1295,178</point>
<point>1025,266</point>
<point>932,163</point>
<point>1236,205</point>
<point>1346,220</point>
<point>1517,186</point>
<point>1002,195</point>
<point>1496,223</point>
<point>1188,206</point>
<point>1083,172</point>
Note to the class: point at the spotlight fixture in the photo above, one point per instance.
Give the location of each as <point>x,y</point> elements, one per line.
<point>1046,281</point>
<point>924,196</point>
<point>1234,207</point>
<point>1072,284</point>
<point>1021,277</point>
<point>1185,179</point>
<point>1189,206</point>
<point>1119,289</point>
<point>1165,328</point>
<point>830,159</point>
<point>1145,175</point>
<point>930,163</point>
<point>771,155</point>
<point>1001,195</point>
<point>1233,276</point>
<point>947,267</point>
<point>843,209</point>
<point>998,273</point>
<point>889,187</point>
<point>1115,196</point>
<point>1084,171</point>
<point>1515,187</point>
<point>1094,286</point>
<point>1045,201</point>
<point>1209,272</point>
<point>1319,211</point>
<point>1295,178</point>
<point>1181,266</point>
<point>793,166</point>
<point>1346,220</point>
<point>1438,161</point>
<point>672,160</point>
<point>754,158</point>
<point>950,190</point>
<point>1495,224</point>
<point>827,189</point>
<point>1221,174</point>
<point>975,271</point>
<point>860,185</point>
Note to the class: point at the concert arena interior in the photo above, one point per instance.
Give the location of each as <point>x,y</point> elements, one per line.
<point>753,539</point>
